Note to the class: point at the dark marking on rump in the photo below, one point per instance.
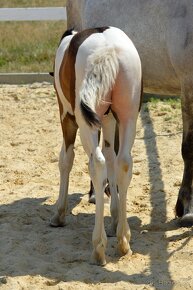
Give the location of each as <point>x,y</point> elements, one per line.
<point>107,144</point>
<point>67,69</point>
<point>66,33</point>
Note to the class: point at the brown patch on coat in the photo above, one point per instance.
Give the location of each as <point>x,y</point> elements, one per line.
<point>68,124</point>
<point>67,78</point>
<point>59,104</point>
<point>126,167</point>
<point>67,70</point>
<point>69,129</point>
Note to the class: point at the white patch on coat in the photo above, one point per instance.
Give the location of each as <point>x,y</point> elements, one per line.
<point>58,61</point>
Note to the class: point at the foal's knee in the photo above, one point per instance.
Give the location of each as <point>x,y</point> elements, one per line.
<point>125,163</point>
<point>124,170</point>
<point>66,158</point>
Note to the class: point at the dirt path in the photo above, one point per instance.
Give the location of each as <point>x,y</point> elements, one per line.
<point>36,256</point>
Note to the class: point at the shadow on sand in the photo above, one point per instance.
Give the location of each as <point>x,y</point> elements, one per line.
<point>42,251</point>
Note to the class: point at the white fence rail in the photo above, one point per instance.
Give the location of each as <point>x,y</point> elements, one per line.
<point>33,14</point>
<point>29,14</point>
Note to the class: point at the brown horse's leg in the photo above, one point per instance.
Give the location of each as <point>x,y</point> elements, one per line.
<point>184,205</point>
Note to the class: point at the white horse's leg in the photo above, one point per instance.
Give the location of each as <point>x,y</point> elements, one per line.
<point>98,174</point>
<point>69,128</point>
<point>108,125</point>
<point>124,173</point>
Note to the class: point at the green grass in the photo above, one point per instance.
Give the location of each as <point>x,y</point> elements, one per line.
<point>165,111</point>
<point>172,102</point>
<point>29,46</point>
<point>31,3</point>
<point>163,104</point>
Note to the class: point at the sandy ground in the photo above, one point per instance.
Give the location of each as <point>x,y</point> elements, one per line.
<point>36,256</point>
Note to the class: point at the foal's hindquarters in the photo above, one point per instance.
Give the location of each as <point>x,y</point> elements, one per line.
<point>124,100</point>
<point>111,81</point>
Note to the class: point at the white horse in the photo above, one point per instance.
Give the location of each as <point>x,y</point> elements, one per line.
<point>97,76</point>
<point>163,35</point>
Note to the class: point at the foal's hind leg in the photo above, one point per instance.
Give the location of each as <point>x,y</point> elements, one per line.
<point>69,129</point>
<point>98,174</point>
<point>124,173</point>
<point>108,125</point>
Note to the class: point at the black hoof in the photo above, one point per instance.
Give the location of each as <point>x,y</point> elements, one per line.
<point>179,208</point>
<point>92,199</point>
<point>187,220</point>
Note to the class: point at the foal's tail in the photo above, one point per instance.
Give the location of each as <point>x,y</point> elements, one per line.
<point>102,70</point>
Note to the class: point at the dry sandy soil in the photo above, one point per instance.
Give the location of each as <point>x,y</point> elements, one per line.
<point>35,256</point>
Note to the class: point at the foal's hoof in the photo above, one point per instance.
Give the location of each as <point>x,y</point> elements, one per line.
<point>56,221</point>
<point>98,260</point>
<point>124,247</point>
<point>187,220</point>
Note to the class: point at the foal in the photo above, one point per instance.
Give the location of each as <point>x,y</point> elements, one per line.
<point>98,81</point>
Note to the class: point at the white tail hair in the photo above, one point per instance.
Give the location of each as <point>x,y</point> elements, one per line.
<point>102,69</point>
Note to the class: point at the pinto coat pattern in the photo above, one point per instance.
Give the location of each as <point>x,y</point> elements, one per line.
<point>97,76</point>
